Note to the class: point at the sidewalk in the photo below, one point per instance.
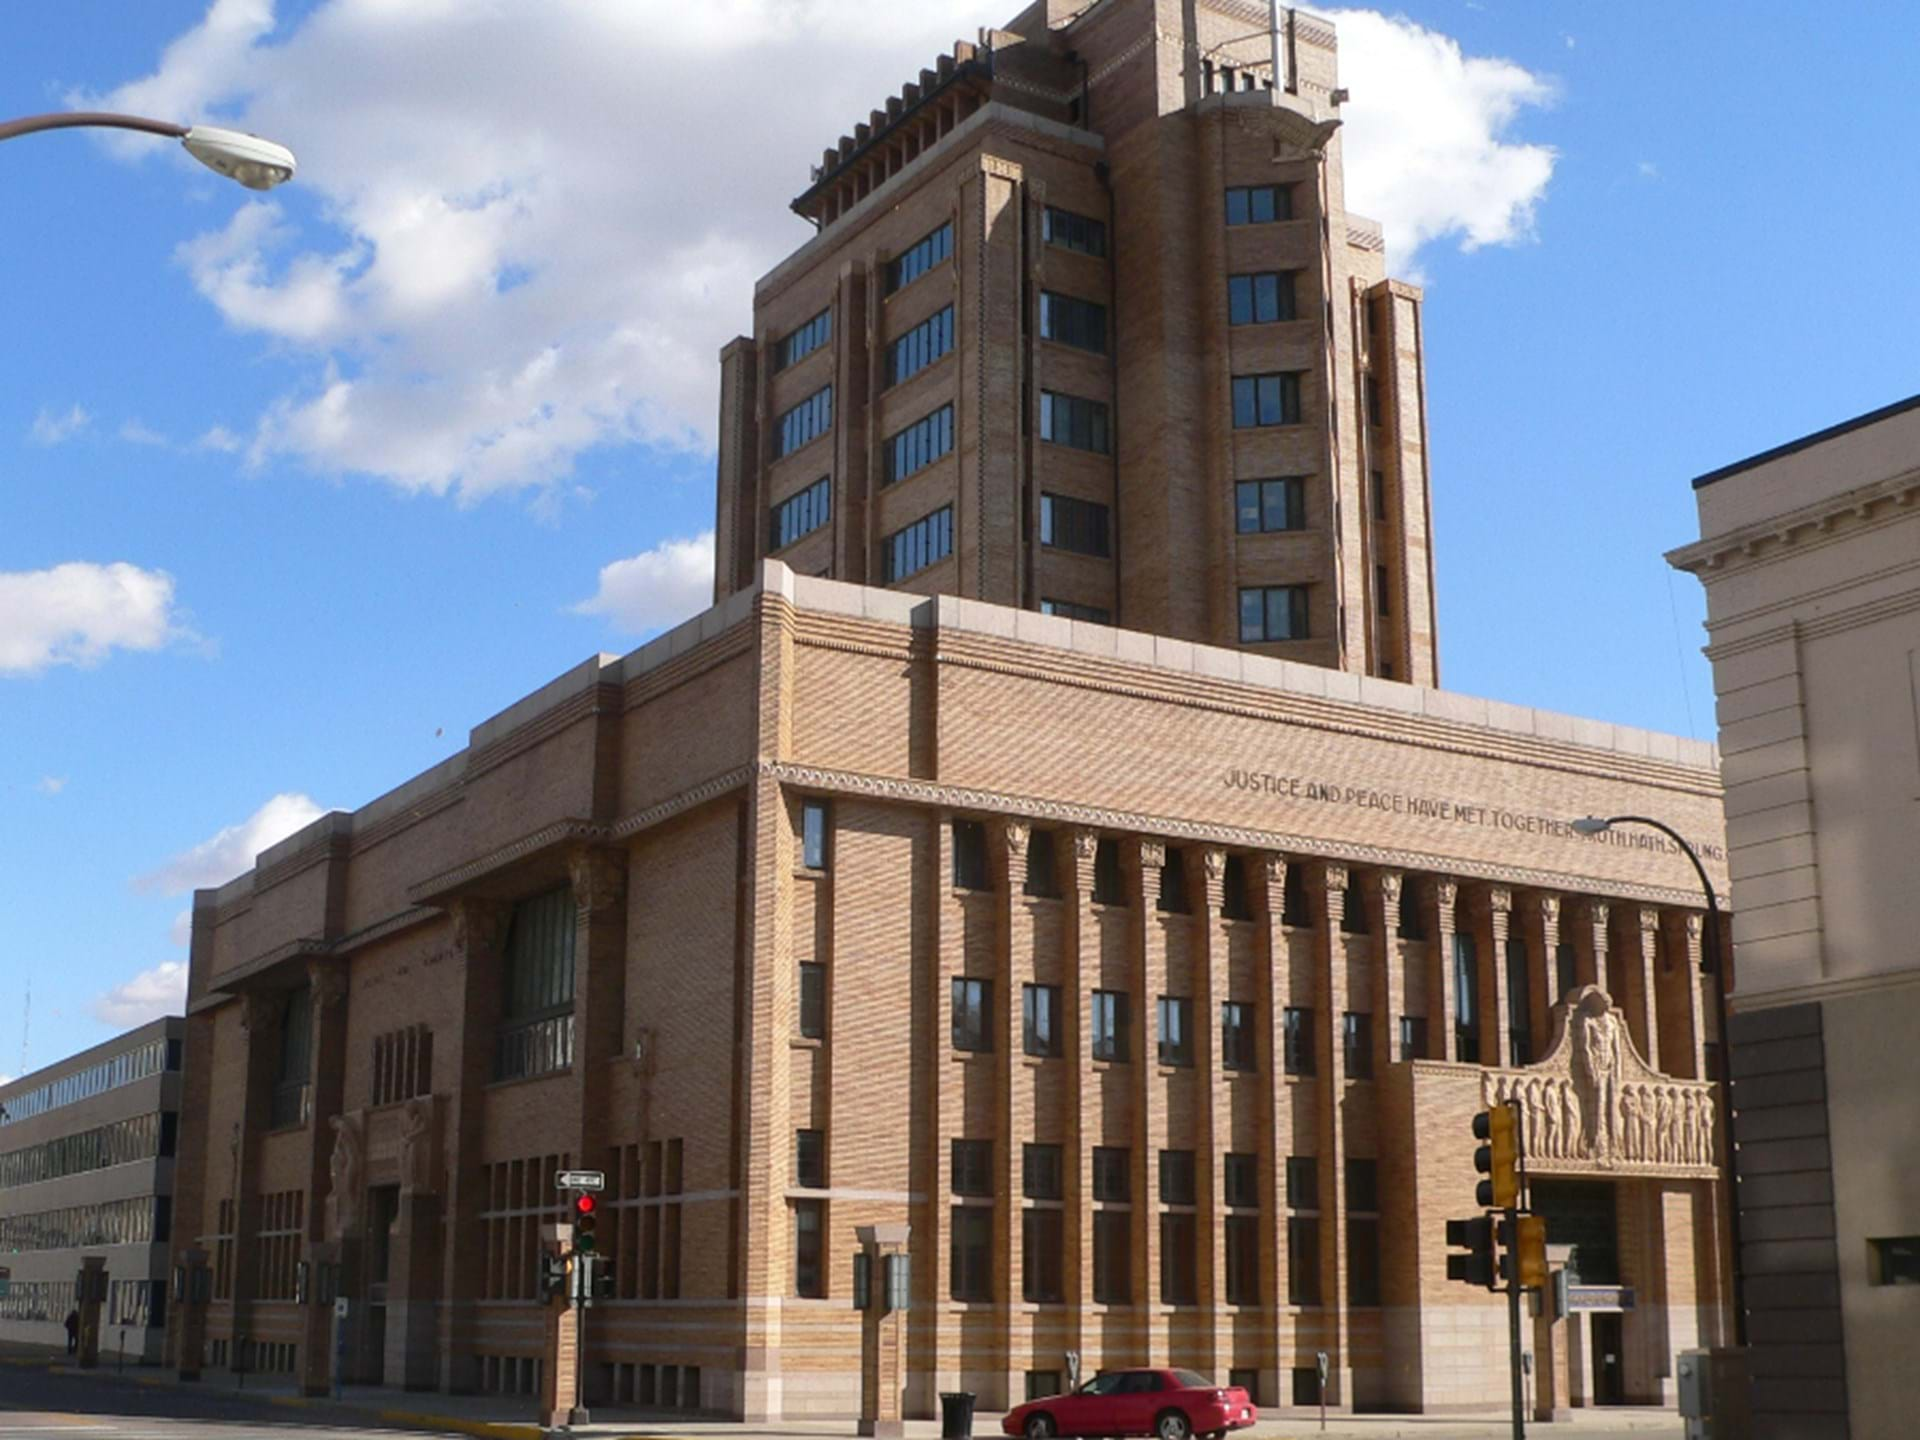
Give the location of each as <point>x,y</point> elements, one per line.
<point>493,1417</point>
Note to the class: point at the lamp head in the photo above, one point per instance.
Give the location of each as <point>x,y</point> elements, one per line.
<point>1591,825</point>
<point>255,163</point>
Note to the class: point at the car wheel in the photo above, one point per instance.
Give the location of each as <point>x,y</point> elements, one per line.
<point>1040,1427</point>
<point>1172,1425</point>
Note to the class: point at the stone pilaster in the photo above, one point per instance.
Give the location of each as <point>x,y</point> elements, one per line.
<point>1633,965</point>
<point>1590,920</point>
<point>1329,898</point>
<point>1014,1094</point>
<point>1682,995</point>
<point>1381,895</point>
<point>1442,1043</point>
<point>260,1017</point>
<point>1150,1118</point>
<point>1076,1003</point>
<point>1492,907</point>
<point>327,981</point>
<point>599,882</point>
<point>1214,1138</point>
<point>1269,886</point>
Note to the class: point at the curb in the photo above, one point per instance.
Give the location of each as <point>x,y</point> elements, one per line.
<point>484,1429</point>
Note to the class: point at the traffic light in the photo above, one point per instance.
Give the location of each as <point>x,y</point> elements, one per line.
<point>553,1276</point>
<point>584,1220</point>
<point>600,1279</point>
<point>1475,1236</point>
<point>1498,1159</point>
<point>1533,1252</point>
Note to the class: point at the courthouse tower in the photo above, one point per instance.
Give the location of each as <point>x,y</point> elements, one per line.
<point>1087,328</point>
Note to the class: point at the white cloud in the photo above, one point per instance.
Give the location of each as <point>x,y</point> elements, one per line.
<point>1426,137</point>
<point>51,429</point>
<point>51,784</point>
<point>232,850</point>
<point>136,433</point>
<point>74,614</point>
<point>657,587</point>
<point>218,438</point>
<point>1648,170</point>
<point>537,249</point>
<point>180,933</point>
<point>147,996</point>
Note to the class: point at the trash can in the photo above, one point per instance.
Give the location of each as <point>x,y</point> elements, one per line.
<point>956,1416</point>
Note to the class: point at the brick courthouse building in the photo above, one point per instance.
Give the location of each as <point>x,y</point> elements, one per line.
<point>1149,971</point>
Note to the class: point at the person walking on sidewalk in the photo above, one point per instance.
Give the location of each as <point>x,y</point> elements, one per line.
<point>73,1331</point>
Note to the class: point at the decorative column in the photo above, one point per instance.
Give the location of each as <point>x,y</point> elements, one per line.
<point>1492,908</point>
<point>1442,1042</point>
<point>1213,988</point>
<point>1084,1118</point>
<point>326,1085</point>
<point>1150,1115</point>
<point>1683,995</point>
<point>1015,1101</point>
<point>1275,994</point>
<point>1381,895</point>
<point>260,1014</point>
<point>598,878</point>
<point>413,1255</point>
<point>1330,901</point>
<point>1633,965</point>
<point>1546,927</point>
<point>1590,919</point>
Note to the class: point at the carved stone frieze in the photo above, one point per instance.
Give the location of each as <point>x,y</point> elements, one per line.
<point>1086,844</point>
<point>328,981</point>
<point>1216,863</point>
<point>1391,883</point>
<point>1017,833</point>
<point>1153,854</point>
<point>599,878</point>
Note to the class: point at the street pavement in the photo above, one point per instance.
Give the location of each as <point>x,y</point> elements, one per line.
<point>43,1401</point>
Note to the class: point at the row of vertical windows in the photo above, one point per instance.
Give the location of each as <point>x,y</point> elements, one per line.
<point>1073,321</point>
<point>1073,421</point>
<point>141,1220</point>
<point>402,1064</point>
<point>808,420</point>
<point>536,1022</point>
<point>1042,1034</point>
<point>1068,523</point>
<point>920,346</point>
<point>1073,610</point>
<point>1261,298</point>
<point>290,1102</point>
<point>807,339</point>
<point>1266,505</point>
<point>919,445</point>
<point>927,541</point>
<point>1259,204</point>
<point>1263,400</point>
<point>140,1137</point>
<point>920,257</point>
<point>1273,612</point>
<point>1073,232</point>
<point>801,514</point>
<point>110,1074</point>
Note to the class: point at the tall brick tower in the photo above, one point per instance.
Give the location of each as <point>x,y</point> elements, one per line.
<point>1087,328</point>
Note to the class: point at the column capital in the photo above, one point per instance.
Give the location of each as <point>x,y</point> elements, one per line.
<point>328,981</point>
<point>1153,854</point>
<point>1696,924</point>
<point>1649,920</point>
<point>1593,910</point>
<point>599,878</point>
<point>1086,844</point>
<point>1549,907</point>
<point>479,926</point>
<point>259,1012</point>
<point>1333,874</point>
<point>1446,894</point>
<point>1388,884</point>
<point>1017,832</point>
<point>1273,867</point>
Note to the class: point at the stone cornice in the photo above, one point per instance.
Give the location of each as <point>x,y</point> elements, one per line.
<point>1804,528</point>
<point>630,825</point>
<point>582,705</point>
<point>547,837</point>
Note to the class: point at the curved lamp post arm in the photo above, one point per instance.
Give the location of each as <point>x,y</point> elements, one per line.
<point>1710,954</point>
<point>90,119</point>
<point>246,159</point>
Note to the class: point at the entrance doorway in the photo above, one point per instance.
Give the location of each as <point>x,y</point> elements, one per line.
<point>1609,1371</point>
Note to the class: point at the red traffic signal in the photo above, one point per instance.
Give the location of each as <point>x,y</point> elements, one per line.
<point>584,1220</point>
<point>585,1204</point>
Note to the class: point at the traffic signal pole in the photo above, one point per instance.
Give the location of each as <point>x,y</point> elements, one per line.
<point>1513,1331</point>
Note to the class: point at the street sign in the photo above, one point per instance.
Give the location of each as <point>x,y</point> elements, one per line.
<point>340,1308</point>
<point>580,1180</point>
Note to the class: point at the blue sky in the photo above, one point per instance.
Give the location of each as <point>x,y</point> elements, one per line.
<point>365,452</point>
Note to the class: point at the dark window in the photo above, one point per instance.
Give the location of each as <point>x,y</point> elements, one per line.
<point>1295,909</point>
<point>1178,1242</point>
<point>1109,884</point>
<point>1073,232</point>
<point>1356,1041</point>
<point>1041,1255</point>
<point>1412,917</point>
<point>1112,1178</point>
<point>1112,1258</point>
<point>809,1273</point>
<point>813,1000</point>
<point>970,856</point>
<point>801,514</point>
<point>813,834</point>
<point>1378,489</point>
<point>1382,590</point>
<point>925,542</point>
<point>1073,321</point>
<point>972,1272</point>
<point>536,1025</point>
<point>810,1159</point>
<point>1363,1186</point>
<point>1297,1028</point>
<point>1260,299</point>
<point>1172,897</point>
<point>1519,1003</point>
<point>807,339</point>
<point>1072,610</point>
<point>1040,1172</point>
<point>1243,1181</point>
<point>920,257</point>
<point>1243,1266</point>
<point>973,1167</point>
<point>1466,987</point>
<point>1371,387</point>
<point>970,1015</point>
<point>1273,612</point>
<point>1306,1385</point>
<point>1262,505</point>
<point>1042,1384</point>
<point>1894,1261</point>
<point>1303,1182</point>
<point>1303,1260</point>
<point>1110,1025</point>
<point>290,1093</point>
<point>1176,1030</point>
<point>1363,1260</point>
<point>1072,421</point>
<point>1176,1177</point>
<point>1413,1037</point>
<point>1353,912</point>
<point>1564,973</point>
<point>1262,400</point>
<point>925,343</point>
<point>1042,872</point>
<point>1040,1019</point>
<point>918,445</point>
<point>1234,904</point>
<point>1081,526</point>
<point>1259,204</point>
<point>1236,1036</point>
<point>1247,1380</point>
<point>805,422</point>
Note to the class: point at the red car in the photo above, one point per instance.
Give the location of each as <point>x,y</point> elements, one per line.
<point>1168,1404</point>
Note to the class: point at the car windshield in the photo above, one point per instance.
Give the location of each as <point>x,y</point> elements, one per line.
<point>1192,1380</point>
<point>1102,1384</point>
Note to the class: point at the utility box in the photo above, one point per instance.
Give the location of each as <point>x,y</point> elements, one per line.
<point>1694,1376</point>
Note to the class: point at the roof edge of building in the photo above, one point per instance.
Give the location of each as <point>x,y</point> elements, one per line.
<point>1808,442</point>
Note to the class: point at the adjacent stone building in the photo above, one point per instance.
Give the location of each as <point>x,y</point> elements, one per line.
<point>1810,555</point>
<point>87,1151</point>
<point>1148,972</point>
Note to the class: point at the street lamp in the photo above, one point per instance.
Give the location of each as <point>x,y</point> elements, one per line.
<point>1709,965</point>
<point>251,161</point>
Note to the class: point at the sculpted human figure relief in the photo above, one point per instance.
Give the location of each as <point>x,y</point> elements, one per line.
<point>343,1167</point>
<point>1597,1062</point>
